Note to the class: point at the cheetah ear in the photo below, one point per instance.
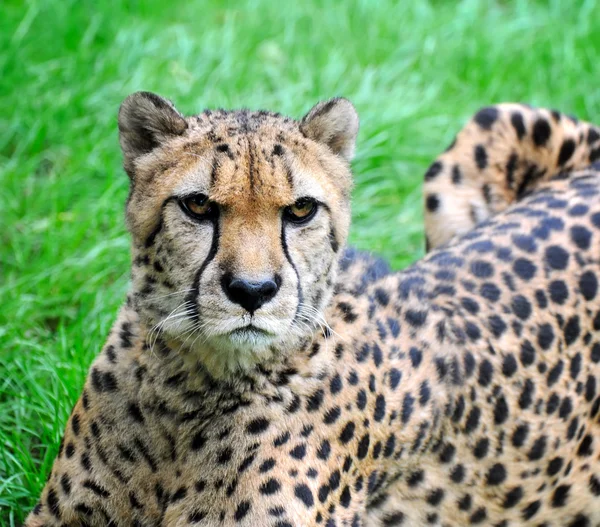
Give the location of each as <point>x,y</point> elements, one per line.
<point>145,121</point>
<point>333,123</point>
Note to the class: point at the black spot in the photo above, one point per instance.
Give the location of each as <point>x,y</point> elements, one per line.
<point>531,510</point>
<point>518,123</point>
<point>53,505</point>
<point>554,466</point>
<point>586,446</point>
<point>267,465</point>
<point>486,373</point>
<point>581,237</point>
<point>196,516</point>
<point>538,449</point>
<point>497,325</point>
<point>520,435</point>
<point>379,412</point>
<point>348,313</point>
<point>561,493</point>
<point>407,407</point>
<point>363,447</point>
<point>464,504</point>
<point>103,381</point>
<point>486,117</point>
<point>96,489</point>
<point>435,497</point>
<point>345,497</point>
<point>432,202</point>
<point>545,336</point>
<point>415,318</point>
<point>277,150</point>
<point>555,373</point>
<point>457,475</point>
<point>315,400</point>
<point>456,175</point>
<point>70,450</point>
<point>588,284</point>
<point>478,516</point>
<point>526,397</point>
<point>472,420</point>
<point>335,385</point>
<point>594,485</point>
<point>566,151</point>
<point>556,257</point>
<point>304,494</point>
<point>433,171</point>
<point>395,376</point>
<point>571,333</point>
<point>590,388</point>
<point>298,452</point>
<point>481,448</point>
<point>524,269</point>
<point>414,478</point>
<point>447,453</point>
<point>509,365</point>
<point>500,411</point>
<point>521,307</point>
<point>481,157</point>
<point>224,456</point>
<point>482,269</point>
<point>65,483</point>
<point>391,519</point>
<point>513,497</point>
<point>580,521</point>
<point>541,132</point>
<point>347,432</point>
<point>242,510</point>
<point>257,426</point>
<point>198,441</point>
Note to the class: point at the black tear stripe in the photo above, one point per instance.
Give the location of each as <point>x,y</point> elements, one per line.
<point>289,259</point>
<point>195,292</point>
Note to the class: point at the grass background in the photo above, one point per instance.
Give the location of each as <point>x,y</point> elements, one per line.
<point>416,69</point>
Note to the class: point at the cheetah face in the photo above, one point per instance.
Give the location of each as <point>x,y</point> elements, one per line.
<point>237,221</point>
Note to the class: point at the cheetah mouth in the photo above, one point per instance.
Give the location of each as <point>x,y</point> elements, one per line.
<point>250,330</point>
<point>250,335</point>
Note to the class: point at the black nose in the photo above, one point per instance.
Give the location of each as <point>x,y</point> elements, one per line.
<point>250,294</point>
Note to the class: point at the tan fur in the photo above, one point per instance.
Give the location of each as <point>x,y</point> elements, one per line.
<point>515,163</point>
<point>461,391</point>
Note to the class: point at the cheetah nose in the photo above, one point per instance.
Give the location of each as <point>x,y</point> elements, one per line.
<point>250,294</point>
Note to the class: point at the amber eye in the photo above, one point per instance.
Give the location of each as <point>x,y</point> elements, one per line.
<point>302,211</point>
<point>198,206</point>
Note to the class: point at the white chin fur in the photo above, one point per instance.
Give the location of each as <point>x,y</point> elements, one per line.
<point>224,347</point>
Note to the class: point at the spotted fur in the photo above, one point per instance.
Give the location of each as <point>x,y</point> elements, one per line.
<point>461,391</point>
<point>502,154</point>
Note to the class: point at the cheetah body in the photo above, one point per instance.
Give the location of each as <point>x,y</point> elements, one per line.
<point>461,391</point>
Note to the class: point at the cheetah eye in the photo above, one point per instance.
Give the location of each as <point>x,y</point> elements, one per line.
<point>302,211</point>
<point>198,206</point>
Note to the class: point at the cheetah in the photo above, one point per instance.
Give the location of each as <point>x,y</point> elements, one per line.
<point>262,374</point>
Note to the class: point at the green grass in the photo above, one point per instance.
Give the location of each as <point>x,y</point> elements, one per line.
<point>415,70</point>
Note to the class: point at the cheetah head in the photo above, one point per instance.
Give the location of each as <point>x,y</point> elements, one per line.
<point>237,220</point>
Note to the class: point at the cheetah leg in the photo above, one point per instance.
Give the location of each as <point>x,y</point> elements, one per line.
<point>502,153</point>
